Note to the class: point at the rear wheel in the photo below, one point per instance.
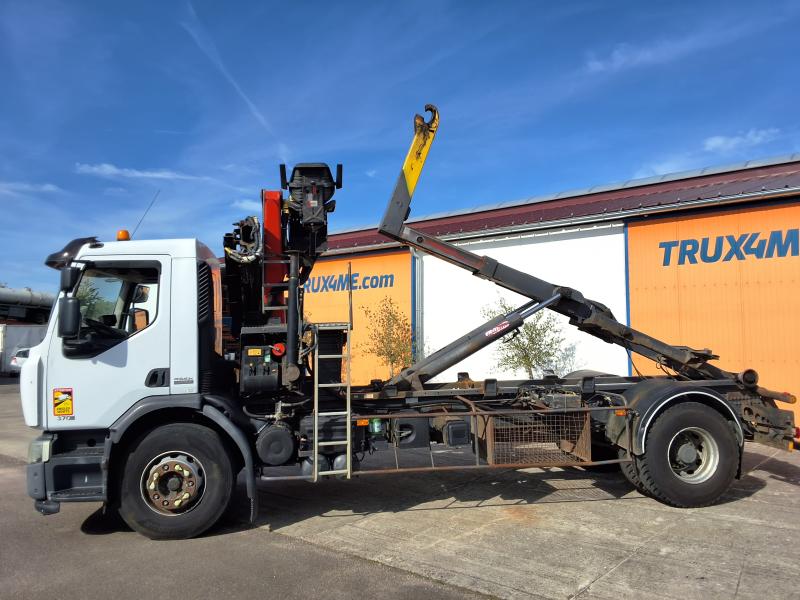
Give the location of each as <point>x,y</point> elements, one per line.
<point>691,456</point>
<point>629,469</point>
<point>177,482</point>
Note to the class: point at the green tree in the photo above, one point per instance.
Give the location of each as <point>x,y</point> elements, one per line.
<point>389,336</point>
<point>93,304</point>
<point>89,296</point>
<point>536,346</point>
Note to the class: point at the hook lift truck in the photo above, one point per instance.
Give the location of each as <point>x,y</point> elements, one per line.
<point>141,408</point>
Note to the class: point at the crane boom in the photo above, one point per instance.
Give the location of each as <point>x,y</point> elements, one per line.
<point>587,315</point>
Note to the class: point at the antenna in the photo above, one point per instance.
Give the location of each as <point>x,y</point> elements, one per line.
<point>284,182</point>
<point>147,210</point>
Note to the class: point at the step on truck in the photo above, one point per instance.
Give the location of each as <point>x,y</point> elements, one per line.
<point>164,376</point>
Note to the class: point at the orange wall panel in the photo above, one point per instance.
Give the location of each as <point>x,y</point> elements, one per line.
<point>375,276</point>
<point>728,281</point>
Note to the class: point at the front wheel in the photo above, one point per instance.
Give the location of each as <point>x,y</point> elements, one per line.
<point>177,482</point>
<point>691,456</point>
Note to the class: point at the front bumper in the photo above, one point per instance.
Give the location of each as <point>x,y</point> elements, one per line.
<point>38,456</point>
<point>38,491</point>
<point>71,476</point>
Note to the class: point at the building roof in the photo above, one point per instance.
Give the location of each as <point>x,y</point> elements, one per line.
<point>749,181</point>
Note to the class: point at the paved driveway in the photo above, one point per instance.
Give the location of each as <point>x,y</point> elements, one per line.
<point>511,534</point>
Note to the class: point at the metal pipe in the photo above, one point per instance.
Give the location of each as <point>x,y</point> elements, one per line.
<point>286,478</point>
<point>615,461</point>
<point>453,468</point>
<point>26,297</point>
<point>292,313</point>
<point>489,413</point>
<point>468,344</point>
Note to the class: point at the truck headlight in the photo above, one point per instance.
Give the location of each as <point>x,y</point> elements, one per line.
<point>39,449</point>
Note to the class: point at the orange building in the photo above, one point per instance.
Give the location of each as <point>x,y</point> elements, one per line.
<point>374,276</point>
<point>726,279</point>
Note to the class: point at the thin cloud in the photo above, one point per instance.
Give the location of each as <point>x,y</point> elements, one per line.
<point>248,205</point>
<point>115,191</point>
<point>673,164</point>
<point>626,56</point>
<point>371,173</point>
<point>629,56</point>
<point>713,148</point>
<point>238,169</point>
<point>14,188</point>
<point>203,41</point>
<point>112,171</point>
<point>283,153</point>
<point>748,139</point>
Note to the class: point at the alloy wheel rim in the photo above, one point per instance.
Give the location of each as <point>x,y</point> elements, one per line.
<point>693,455</point>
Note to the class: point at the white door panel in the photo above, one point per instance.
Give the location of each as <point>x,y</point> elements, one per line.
<point>183,371</point>
<point>104,386</point>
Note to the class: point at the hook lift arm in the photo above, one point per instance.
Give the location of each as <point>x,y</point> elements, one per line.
<point>587,315</point>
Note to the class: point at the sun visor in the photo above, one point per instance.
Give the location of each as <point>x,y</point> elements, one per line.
<point>65,256</point>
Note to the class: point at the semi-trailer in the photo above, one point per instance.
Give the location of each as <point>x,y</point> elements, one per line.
<point>144,408</point>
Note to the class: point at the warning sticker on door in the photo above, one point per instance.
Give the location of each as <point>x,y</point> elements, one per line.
<point>62,402</point>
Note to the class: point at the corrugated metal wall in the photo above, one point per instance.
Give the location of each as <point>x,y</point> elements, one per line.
<point>727,280</point>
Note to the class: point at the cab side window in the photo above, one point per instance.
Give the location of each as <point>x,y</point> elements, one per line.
<point>115,303</point>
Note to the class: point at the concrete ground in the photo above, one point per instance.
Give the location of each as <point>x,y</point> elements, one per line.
<point>511,534</point>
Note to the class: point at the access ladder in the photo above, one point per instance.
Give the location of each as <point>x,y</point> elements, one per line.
<point>348,441</point>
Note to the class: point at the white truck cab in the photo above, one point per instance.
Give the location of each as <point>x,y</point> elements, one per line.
<point>128,326</point>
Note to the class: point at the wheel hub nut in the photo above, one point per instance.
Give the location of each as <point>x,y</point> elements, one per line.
<point>173,484</point>
<point>687,454</point>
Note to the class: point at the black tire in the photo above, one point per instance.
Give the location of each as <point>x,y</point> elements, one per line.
<point>656,472</point>
<point>190,444</point>
<point>629,470</point>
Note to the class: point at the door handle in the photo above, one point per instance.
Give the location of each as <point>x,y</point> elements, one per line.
<point>157,378</point>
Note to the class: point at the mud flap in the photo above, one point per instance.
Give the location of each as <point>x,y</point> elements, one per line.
<point>241,442</point>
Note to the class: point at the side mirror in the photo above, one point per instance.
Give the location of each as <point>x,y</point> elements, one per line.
<point>141,294</point>
<point>69,277</point>
<point>140,318</point>
<point>69,317</point>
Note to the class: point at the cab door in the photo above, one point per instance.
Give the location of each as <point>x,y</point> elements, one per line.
<point>121,354</point>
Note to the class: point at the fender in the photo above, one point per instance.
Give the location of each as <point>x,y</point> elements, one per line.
<point>247,455</point>
<point>209,406</point>
<point>651,397</point>
<point>149,404</point>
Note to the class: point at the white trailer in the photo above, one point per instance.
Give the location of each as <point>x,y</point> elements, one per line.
<point>15,337</point>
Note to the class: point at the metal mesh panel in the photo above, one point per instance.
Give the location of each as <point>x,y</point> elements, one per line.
<point>538,438</point>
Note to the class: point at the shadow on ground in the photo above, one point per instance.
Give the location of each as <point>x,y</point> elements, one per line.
<point>283,504</point>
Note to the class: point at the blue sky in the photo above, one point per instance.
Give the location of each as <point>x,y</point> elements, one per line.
<point>102,104</point>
